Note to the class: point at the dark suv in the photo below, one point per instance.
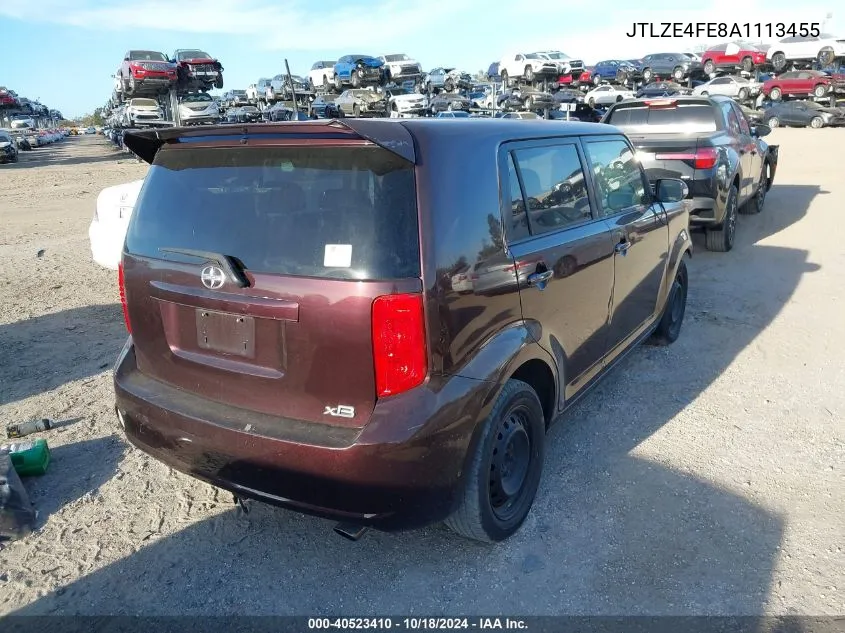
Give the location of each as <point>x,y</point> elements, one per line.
<point>355,320</point>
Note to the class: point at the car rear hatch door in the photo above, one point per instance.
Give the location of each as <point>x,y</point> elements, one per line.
<point>253,260</point>
<point>671,136</point>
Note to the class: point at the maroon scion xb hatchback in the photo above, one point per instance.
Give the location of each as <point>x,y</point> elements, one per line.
<point>376,321</point>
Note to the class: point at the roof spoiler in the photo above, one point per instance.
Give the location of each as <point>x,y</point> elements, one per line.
<point>389,134</point>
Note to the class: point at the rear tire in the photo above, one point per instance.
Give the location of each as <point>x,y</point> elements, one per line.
<point>816,122</point>
<point>773,122</point>
<point>504,75</point>
<point>709,67</point>
<point>678,74</point>
<point>820,90</point>
<point>721,240</point>
<point>647,75</point>
<point>504,469</point>
<point>778,61</point>
<point>669,328</point>
<point>743,94</point>
<point>747,64</point>
<point>775,94</point>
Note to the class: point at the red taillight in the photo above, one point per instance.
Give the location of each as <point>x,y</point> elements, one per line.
<point>703,158</point>
<point>122,284</point>
<point>399,347</point>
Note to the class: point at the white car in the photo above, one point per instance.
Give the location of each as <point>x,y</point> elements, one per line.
<point>825,49</point>
<point>321,73</point>
<point>566,64</point>
<point>198,107</point>
<point>529,66</point>
<point>402,103</point>
<point>21,121</point>
<point>607,95</point>
<point>736,87</point>
<point>140,110</point>
<point>399,68</point>
<point>111,219</point>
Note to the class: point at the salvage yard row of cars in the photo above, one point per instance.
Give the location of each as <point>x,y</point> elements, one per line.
<point>465,355</point>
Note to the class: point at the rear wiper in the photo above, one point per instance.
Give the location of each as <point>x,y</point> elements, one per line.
<point>229,264</point>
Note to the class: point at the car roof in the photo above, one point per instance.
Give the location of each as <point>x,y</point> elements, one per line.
<point>400,136</point>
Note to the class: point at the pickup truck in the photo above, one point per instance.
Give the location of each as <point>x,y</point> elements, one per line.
<point>708,143</point>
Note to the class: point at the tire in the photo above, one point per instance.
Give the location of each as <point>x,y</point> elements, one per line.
<point>709,67</point>
<point>747,64</point>
<point>356,111</point>
<point>326,84</point>
<point>622,78</point>
<point>669,327</point>
<point>132,85</point>
<point>721,240</point>
<point>678,74</point>
<point>218,83</point>
<point>816,123</point>
<point>338,84</point>
<point>529,74</point>
<point>743,94</point>
<point>448,85</point>
<point>826,57</point>
<point>356,80</point>
<point>514,428</point>
<point>773,122</point>
<point>596,80</point>
<point>311,85</point>
<point>504,74</point>
<point>820,90</point>
<point>591,102</point>
<point>778,61</point>
<point>647,75</point>
<point>775,94</point>
<point>756,203</point>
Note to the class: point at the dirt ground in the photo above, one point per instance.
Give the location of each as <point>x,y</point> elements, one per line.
<point>702,478</point>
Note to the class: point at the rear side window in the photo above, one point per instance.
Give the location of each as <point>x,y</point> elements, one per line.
<point>316,211</point>
<point>673,118</point>
<point>552,187</point>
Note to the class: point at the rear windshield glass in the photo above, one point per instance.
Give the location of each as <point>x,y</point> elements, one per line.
<point>683,118</point>
<point>339,212</point>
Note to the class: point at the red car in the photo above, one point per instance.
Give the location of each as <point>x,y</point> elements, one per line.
<point>198,67</point>
<point>585,77</point>
<point>8,98</point>
<point>803,83</point>
<point>145,73</point>
<point>733,55</point>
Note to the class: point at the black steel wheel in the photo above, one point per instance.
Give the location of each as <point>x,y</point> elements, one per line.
<point>669,328</point>
<point>505,467</point>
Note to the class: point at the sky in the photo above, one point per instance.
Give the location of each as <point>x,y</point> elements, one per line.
<point>64,52</point>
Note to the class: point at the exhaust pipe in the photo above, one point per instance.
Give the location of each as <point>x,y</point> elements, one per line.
<point>350,531</point>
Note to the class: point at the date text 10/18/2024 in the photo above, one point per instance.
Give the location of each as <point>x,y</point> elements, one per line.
<point>419,623</point>
<point>724,29</point>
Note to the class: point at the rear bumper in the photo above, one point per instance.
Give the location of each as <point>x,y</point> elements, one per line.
<point>394,474</point>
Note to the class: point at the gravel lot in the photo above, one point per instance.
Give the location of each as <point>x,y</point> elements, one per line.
<point>703,478</point>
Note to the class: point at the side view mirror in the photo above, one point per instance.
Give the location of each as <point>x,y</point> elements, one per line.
<point>670,190</point>
<point>760,130</point>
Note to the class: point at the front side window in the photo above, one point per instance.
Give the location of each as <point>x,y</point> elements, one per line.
<point>553,187</point>
<point>619,179</point>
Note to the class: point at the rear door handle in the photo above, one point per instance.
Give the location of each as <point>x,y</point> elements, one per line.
<point>540,278</point>
<point>622,247</point>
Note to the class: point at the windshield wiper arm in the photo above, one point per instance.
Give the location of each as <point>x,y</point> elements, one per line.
<point>229,264</point>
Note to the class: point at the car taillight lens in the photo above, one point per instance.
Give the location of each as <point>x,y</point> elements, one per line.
<point>703,158</point>
<point>399,346</point>
<point>122,284</point>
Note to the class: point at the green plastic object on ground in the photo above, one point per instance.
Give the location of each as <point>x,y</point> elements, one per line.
<point>30,457</point>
